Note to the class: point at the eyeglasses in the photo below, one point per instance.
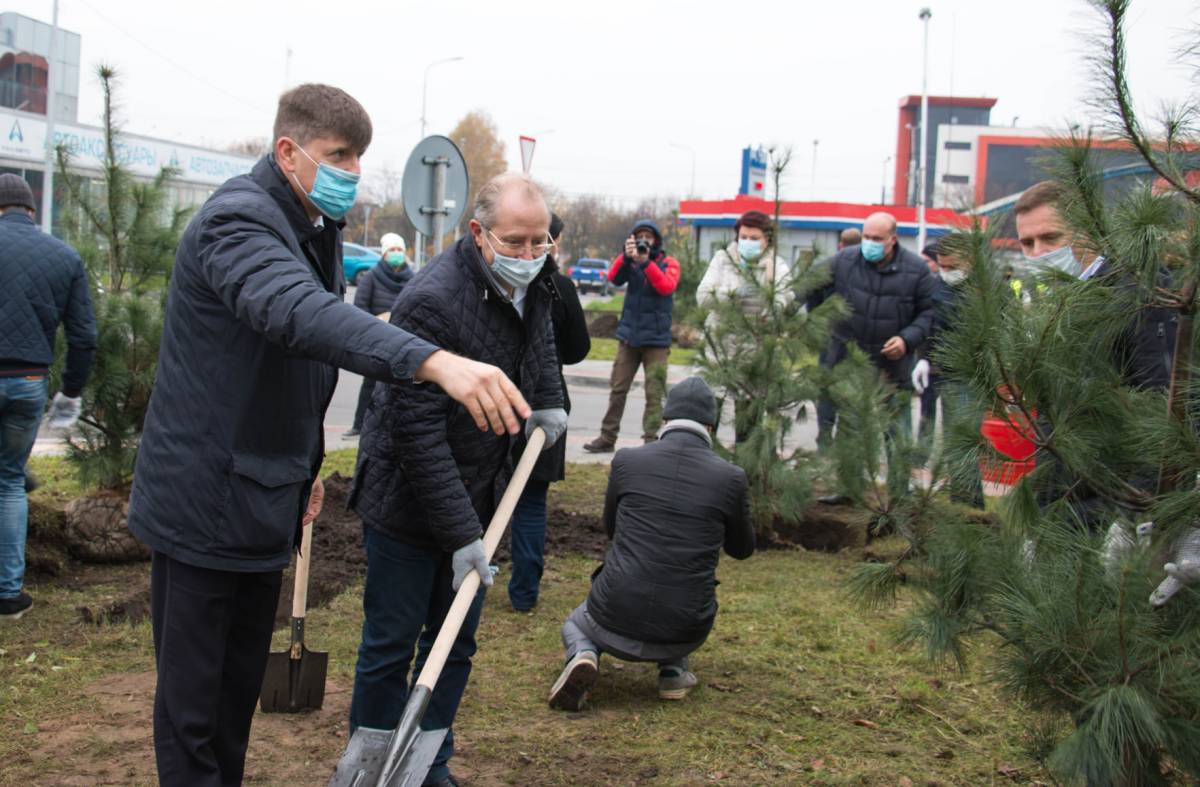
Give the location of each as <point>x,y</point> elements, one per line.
<point>516,247</point>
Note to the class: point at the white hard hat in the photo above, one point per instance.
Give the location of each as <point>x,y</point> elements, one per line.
<point>391,240</point>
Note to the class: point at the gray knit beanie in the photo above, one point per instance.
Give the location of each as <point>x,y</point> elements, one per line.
<point>15,191</point>
<point>693,400</point>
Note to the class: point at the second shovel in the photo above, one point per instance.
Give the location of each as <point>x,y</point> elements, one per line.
<point>295,678</point>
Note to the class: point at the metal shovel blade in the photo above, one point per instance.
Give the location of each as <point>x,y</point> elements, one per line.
<point>293,685</point>
<point>362,763</point>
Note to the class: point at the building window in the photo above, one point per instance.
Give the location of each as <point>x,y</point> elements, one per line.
<point>958,146</point>
<point>955,179</point>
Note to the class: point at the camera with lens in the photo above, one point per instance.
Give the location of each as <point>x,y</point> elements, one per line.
<point>643,247</point>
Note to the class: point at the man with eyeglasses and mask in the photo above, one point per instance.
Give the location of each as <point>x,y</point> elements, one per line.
<point>228,466</point>
<point>427,481</point>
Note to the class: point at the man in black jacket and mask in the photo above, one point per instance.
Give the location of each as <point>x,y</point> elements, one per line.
<point>228,466</point>
<point>427,480</point>
<point>670,508</point>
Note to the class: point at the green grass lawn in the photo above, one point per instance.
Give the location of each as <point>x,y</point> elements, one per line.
<point>606,350</point>
<point>798,686</point>
<point>614,304</point>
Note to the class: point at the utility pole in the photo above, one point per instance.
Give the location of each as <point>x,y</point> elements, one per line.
<point>922,193</point>
<point>48,175</point>
<point>883,183</point>
<point>420,244</point>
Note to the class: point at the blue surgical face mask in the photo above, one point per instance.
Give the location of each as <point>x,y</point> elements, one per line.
<point>513,270</point>
<point>749,250</point>
<point>333,191</point>
<point>1060,259</point>
<point>872,250</point>
<point>394,258</point>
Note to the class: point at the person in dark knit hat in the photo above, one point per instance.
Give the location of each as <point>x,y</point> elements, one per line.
<point>44,286</point>
<point>671,506</point>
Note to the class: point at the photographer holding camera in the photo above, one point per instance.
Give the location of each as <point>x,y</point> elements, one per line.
<point>644,333</point>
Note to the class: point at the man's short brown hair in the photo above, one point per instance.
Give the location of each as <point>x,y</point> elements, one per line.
<point>310,111</point>
<point>1045,193</point>
<point>850,237</point>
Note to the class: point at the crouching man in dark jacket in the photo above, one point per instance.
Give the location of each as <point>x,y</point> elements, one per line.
<point>254,332</point>
<point>426,478</point>
<point>670,508</point>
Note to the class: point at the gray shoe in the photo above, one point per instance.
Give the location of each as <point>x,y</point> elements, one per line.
<point>571,689</point>
<point>675,683</point>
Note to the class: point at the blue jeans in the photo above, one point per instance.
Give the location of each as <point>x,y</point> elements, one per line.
<point>528,545</point>
<point>407,595</point>
<point>22,402</point>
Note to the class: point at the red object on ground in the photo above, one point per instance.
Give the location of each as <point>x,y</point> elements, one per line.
<point>1010,437</point>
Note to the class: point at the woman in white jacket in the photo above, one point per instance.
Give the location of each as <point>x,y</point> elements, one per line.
<point>746,269</point>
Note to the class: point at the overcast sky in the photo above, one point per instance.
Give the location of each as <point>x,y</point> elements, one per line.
<point>610,87</point>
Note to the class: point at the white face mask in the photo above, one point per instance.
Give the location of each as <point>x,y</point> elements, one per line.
<point>954,277</point>
<point>1060,259</point>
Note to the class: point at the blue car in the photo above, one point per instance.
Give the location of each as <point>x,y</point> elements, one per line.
<point>357,261</point>
<point>590,274</point>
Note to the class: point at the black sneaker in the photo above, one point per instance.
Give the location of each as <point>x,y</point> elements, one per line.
<point>351,432</point>
<point>599,446</point>
<point>14,608</point>
<point>449,781</point>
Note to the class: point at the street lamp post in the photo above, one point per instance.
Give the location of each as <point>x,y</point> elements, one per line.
<point>813,187</point>
<point>681,146</point>
<point>883,183</point>
<point>425,87</point>
<point>923,190</point>
<point>48,174</point>
<point>420,255</point>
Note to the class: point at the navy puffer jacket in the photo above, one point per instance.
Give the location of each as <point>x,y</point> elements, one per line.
<point>892,299</point>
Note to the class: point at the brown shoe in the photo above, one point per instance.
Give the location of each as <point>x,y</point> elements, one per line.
<point>599,446</point>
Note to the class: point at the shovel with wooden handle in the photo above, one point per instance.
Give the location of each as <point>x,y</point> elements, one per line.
<point>402,757</point>
<point>295,678</point>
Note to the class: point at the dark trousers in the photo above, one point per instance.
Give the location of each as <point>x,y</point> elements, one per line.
<point>364,398</point>
<point>528,545</point>
<point>212,633</point>
<point>406,598</point>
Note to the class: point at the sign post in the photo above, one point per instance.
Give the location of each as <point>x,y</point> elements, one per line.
<point>435,187</point>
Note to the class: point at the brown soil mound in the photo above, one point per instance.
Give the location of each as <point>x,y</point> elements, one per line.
<point>603,325</point>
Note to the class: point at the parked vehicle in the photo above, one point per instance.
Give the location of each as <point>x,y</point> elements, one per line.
<point>357,261</point>
<point>590,274</point>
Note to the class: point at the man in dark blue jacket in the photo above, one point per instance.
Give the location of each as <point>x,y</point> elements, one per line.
<point>426,480</point>
<point>227,470</point>
<point>644,333</point>
<point>670,509</point>
<point>44,284</point>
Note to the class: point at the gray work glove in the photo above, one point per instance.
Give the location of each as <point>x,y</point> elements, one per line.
<point>470,558</point>
<point>1184,568</point>
<point>64,411</point>
<point>552,421</point>
<point>920,376</point>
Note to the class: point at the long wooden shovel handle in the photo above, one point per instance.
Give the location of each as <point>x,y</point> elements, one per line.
<point>300,593</point>
<point>491,539</point>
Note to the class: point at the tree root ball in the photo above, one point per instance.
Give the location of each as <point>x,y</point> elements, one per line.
<point>97,531</point>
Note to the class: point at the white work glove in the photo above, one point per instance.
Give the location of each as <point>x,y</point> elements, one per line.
<point>64,411</point>
<point>920,376</point>
<point>470,558</point>
<point>1184,568</point>
<point>552,421</point>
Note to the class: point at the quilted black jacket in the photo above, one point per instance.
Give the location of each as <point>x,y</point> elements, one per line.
<point>381,286</point>
<point>896,299</point>
<point>255,330</point>
<point>670,508</point>
<point>43,285</point>
<point>426,475</point>
<point>572,343</point>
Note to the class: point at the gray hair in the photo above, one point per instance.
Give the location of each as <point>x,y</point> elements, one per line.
<point>487,201</point>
